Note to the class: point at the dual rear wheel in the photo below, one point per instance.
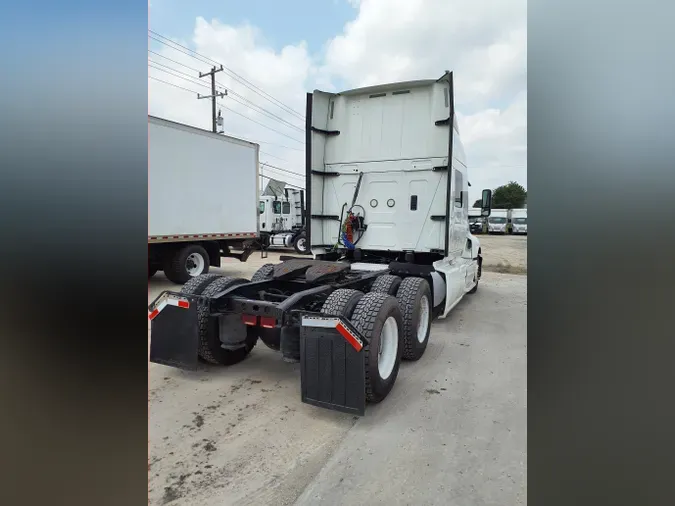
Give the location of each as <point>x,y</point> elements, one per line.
<point>396,321</point>
<point>395,318</point>
<point>414,297</point>
<point>377,316</point>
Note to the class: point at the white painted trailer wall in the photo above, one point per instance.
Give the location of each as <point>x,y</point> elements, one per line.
<point>200,183</point>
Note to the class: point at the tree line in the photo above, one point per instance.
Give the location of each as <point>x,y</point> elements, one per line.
<point>508,196</point>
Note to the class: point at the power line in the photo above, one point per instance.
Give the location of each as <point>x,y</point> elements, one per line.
<point>188,79</point>
<point>174,61</point>
<point>262,124</point>
<point>171,84</point>
<point>282,169</point>
<point>229,109</point>
<point>230,93</point>
<point>282,176</point>
<point>170,43</point>
<point>178,72</point>
<point>231,72</point>
<point>270,143</point>
<point>274,156</point>
<point>264,111</point>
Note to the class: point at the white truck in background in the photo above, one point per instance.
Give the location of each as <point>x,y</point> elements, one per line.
<point>476,221</point>
<point>202,196</point>
<point>498,222</point>
<point>282,217</point>
<point>519,221</point>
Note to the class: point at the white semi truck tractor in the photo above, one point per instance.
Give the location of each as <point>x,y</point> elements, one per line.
<point>388,228</point>
<point>282,217</point>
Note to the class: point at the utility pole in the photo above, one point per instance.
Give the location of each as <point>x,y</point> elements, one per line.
<point>214,95</point>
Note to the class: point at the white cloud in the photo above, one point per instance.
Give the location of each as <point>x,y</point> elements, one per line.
<point>496,141</point>
<point>482,41</point>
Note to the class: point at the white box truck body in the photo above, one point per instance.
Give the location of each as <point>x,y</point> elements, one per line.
<point>498,221</point>
<point>519,221</point>
<point>202,198</point>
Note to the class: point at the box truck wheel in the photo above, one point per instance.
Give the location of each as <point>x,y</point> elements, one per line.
<point>414,297</point>
<point>300,244</point>
<point>186,263</point>
<point>386,284</point>
<point>210,349</point>
<point>378,317</point>
<point>265,272</point>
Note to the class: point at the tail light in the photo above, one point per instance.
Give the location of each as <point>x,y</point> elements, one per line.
<point>268,322</point>
<point>249,319</point>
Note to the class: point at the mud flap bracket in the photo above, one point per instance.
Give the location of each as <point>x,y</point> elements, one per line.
<point>332,368</point>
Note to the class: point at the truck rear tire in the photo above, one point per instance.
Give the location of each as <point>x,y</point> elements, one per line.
<point>300,244</point>
<point>386,284</point>
<point>197,285</point>
<point>414,297</point>
<point>342,302</point>
<point>186,263</point>
<point>378,317</point>
<point>265,272</point>
<point>210,349</point>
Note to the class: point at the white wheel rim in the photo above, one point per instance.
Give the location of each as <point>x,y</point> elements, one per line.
<point>194,264</point>
<point>301,244</point>
<point>386,355</point>
<point>423,324</point>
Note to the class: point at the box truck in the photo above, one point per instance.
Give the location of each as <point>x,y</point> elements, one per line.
<point>498,222</point>
<point>202,199</point>
<point>519,221</point>
<point>387,224</point>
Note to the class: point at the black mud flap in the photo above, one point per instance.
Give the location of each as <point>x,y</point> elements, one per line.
<point>332,372</point>
<point>174,332</point>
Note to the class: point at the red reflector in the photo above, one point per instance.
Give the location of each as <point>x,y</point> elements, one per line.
<point>349,337</point>
<point>249,319</point>
<point>153,314</point>
<point>184,304</point>
<point>268,322</point>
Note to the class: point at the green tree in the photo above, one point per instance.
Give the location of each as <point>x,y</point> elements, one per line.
<point>509,196</point>
<point>478,203</point>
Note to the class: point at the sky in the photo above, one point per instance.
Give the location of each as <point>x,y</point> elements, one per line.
<point>275,51</point>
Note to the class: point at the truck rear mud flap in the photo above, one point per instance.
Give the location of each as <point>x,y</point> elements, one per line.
<point>174,330</point>
<point>332,364</point>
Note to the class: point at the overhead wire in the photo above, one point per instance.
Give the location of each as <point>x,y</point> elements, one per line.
<point>227,108</point>
<point>205,59</point>
<point>196,80</point>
